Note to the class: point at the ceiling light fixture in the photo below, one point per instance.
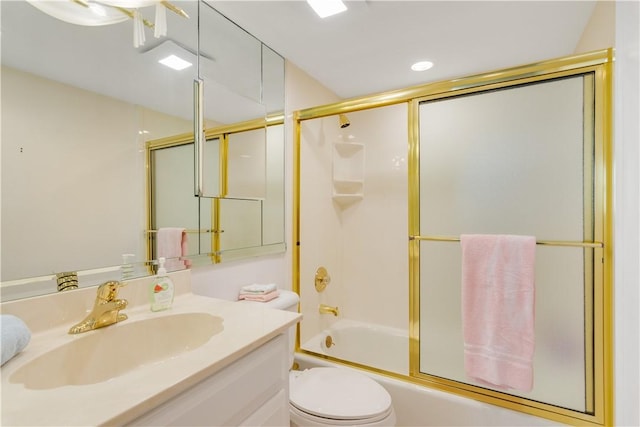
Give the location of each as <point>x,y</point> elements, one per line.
<point>326,8</point>
<point>107,12</point>
<point>175,62</point>
<point>422,66</point>
<point>97,9</point>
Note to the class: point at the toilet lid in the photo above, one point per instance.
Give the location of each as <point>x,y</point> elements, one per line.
<point>340,394</point>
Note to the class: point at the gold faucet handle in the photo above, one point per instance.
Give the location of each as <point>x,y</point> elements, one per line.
<point>108,291</point>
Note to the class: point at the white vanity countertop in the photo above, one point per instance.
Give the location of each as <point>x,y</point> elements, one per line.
<point>124,398</point>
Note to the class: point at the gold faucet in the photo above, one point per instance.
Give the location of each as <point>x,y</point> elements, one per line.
<point>105,309</point>
<point>327,309</point>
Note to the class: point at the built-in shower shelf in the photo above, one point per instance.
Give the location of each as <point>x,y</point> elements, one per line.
<point>347,199</point>
<point>347,186</point>
<point>348,172</point>
<point>348,149</point>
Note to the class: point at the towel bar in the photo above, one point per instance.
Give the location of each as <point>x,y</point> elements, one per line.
<point>539,242</point>
<point>191,231</point>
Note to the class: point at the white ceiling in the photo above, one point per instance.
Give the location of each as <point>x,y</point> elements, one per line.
<point>367,49</point>
<point>370,47</point>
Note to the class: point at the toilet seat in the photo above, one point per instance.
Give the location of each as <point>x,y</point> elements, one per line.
<point>341,396</point>
<point>301,418</point>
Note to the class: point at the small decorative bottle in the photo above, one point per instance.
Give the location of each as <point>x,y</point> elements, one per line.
<point>161,292</point>
<point>127,269</point>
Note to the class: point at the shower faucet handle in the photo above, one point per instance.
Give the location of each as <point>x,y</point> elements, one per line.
<point>322,279</point>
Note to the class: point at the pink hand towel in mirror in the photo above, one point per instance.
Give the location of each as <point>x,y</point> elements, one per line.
<point>172,244</point>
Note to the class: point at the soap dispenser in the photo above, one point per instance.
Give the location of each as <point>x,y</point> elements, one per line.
<point>162,290</point>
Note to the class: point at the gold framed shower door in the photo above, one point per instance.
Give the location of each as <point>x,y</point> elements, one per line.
<point>599,64</point>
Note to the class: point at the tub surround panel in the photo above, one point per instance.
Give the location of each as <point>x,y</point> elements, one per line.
<point>364,343</point>
<point>320,237</point>
<point>363,245</point>
<point>124,398</point>
<point>374,233</point>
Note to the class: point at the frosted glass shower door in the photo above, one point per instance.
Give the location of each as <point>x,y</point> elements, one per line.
<point>511,161</point>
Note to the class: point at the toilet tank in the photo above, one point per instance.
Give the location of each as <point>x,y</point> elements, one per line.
<point>286,300</point>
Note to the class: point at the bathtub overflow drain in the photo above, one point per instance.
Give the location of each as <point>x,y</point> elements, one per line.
<point>328,341</point>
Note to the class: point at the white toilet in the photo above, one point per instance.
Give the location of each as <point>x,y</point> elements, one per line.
<point>332,396</point>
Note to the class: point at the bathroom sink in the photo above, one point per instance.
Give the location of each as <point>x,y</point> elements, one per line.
<point>109,352</point>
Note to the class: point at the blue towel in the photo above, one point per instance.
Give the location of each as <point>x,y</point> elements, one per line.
<point>14,338</point>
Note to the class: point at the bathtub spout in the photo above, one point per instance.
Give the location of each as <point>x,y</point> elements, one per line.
<point>327,309</point>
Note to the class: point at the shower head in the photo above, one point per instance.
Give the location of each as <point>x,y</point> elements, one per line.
<point>344,121</point>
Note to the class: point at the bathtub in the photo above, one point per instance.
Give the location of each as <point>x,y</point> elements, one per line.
<point>416,405</point>
<point>377,346</point>
<point>388,349</point>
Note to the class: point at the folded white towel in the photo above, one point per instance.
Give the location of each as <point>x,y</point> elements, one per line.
<point>259,297</point>
<point>256,288</point>
<point>14,337</point>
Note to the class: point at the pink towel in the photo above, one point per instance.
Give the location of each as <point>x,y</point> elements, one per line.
<point>172,244</point>
<point>498,302</point>
<point>259,297</point>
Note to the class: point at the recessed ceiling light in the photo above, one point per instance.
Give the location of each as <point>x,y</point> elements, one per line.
<point>175,62</point>
<point>326,8</point>
<point>422,66</point>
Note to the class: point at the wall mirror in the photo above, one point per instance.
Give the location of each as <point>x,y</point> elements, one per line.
<point>79,104</point>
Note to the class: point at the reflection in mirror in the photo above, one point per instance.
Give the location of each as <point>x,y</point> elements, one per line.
<point>74,132</point>
<point>230,60</point>
<point>77,102</point>
<point>171,170</point>
<point>246,164</point>
<point>212,152</point>
<point>227,228</point>
<point>231,71</point>
<point>272,81</point>
<point>234,165</point>
<point>262,228</point>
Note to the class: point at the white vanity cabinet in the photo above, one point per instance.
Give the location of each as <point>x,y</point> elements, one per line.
<point>252,391</point>
<point>239,376</point>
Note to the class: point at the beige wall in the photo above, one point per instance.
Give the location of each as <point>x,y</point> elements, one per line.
<point>600,30</point>
<point>627,213</point>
